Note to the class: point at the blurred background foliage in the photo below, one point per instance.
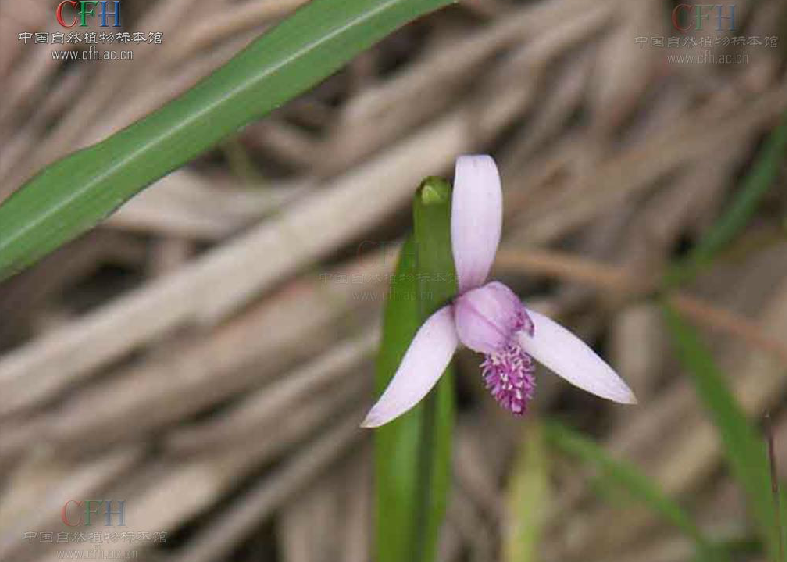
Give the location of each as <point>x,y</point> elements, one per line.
<point>207,352</point>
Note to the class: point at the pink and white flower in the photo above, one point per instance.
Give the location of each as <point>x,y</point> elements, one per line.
<point>489,318</point>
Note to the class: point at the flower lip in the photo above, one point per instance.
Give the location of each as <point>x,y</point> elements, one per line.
<point>487,318</point>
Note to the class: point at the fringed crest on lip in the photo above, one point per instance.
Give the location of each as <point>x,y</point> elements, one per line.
<point>509,377</point>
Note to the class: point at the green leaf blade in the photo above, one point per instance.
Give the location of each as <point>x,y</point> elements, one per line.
<point>413,452</point>
<point>436,286</point>
<point>756,184</point>
<point>631,479</point>
<point>528,498</point>
<point>396,443</point>
<point>78,191</point>
<point>743,447</point>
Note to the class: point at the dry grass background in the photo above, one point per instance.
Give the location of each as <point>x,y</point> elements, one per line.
<point>206,354</point>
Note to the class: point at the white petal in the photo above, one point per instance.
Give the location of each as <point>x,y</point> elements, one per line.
<point>476,217</point>
<point>426,359</point>
<point>571,358</point>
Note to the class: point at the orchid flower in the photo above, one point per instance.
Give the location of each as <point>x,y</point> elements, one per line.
<point>489,318</point>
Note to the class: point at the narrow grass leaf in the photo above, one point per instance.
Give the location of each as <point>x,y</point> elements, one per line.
<point>528,498</point>
<point>436,286</point>
<point>396,443</point>
<point>634,482</point>
<point>744,448</point>
<point>761,177</point>
<point>76,192</point>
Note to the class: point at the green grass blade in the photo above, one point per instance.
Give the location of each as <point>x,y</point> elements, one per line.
<point>744,449</point>
<point>396,443</point>
<point>760,178</point>
<point>436,286</point>
<point>782,507</point>
<point>73,194</point>
<point>528,497</point>
<point>633,481</point>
